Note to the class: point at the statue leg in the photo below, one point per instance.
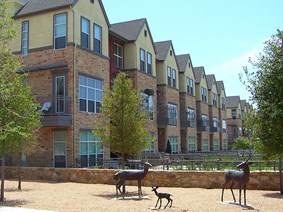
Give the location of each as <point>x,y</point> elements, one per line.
<point>240,194</point>
<point>231,188</point>
<point>245,187</point>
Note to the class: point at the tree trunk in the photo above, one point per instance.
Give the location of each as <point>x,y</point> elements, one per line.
<point>280,175</point>
<point>19,172</point>
<point>2,199</point>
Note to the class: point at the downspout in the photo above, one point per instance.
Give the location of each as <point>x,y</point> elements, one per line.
<point>74,89</point>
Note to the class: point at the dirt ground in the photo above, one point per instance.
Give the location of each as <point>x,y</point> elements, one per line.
<point>97,197</point>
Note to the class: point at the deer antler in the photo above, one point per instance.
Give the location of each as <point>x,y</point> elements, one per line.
<point>249,154</point>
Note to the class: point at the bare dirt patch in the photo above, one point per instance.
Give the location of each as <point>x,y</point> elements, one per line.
<point>97,197</point>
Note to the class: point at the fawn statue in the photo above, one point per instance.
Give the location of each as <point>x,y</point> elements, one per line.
<point>162,196</point>
<point>124,175</point>
<point>238,177</point>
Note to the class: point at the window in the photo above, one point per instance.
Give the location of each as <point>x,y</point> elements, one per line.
<point>150,147</point>
<point>174,78</point>
<point>85,33</point>
<point>25,35</point>
<point>190,86</point>
<point>169,75</point>
<point>223,103</point>
<point>147,103</point>
<point>118,55</point>
<point>205,145</point>
<point>215,144</point>
<point>224,126</point>
<point>97,38</point>
<point>191,118</point>
<point>192,144</point>
<point>172,114</point>
<point>59,148</point>
<point>205,124</point>
<point>145,33</point>
<point>174,144</point>
<point>234,113</point>
<point>224,144</point>
<point>91,150</point>
<point>142,60</point>
<point>60,31</point>
<point>214,99</point>
<point>215,124</point>
<point>149,63</point>
<point>92,1</point>
<point>90,94</point>
<point>203,94</point>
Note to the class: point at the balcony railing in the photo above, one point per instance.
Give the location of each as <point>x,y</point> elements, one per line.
<point>56,110</point>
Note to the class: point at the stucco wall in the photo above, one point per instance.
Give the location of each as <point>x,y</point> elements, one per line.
<point>185,179</point>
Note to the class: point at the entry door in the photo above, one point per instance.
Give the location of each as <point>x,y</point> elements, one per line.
<point>59,150</point>
<point>60,94</point>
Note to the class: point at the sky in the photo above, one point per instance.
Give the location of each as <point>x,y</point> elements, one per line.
<point>219,35</point>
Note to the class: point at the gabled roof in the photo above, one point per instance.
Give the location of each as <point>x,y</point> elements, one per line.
<point>220,86</point>
<point>182,61</point>
<point>162,49</point>
<point>210,78</point>
<point>243,104</point>
<point>232,101</point>
<point>39,6</point>
<point>130,30</point>
<point>199,71</point>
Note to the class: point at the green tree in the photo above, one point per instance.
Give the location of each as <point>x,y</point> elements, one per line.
<point>265,83</point>
<point>19,115</point>
<point>122,126</point>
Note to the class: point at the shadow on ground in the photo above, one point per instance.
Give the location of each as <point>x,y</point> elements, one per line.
<point>127,196</point>
<point>14,203</point>
<point>273,195</point>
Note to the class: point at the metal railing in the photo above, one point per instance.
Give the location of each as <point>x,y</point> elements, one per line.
<point>55,105</point>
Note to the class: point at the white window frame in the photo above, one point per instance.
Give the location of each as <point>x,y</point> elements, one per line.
<point>85,31</point>
<point>119,58</point>
<point>192,147</point>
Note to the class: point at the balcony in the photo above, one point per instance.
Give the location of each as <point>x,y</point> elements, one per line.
<point>214,129</point>
<point>55,111</point>
<point>202,125</point>
<point>172,122</point>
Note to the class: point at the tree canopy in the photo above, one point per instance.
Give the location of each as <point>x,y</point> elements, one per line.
<point>122,127</point>
<point>19,116</point>
<point>265,83</point>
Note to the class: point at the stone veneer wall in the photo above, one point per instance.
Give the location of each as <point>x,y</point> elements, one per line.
<point>185,179</point>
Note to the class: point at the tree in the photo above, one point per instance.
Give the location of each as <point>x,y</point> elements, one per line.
<point>265,84</point>
<point>122,126</point>
<point>19,115</point>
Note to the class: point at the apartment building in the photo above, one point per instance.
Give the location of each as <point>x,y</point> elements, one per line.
<point>214,122</point>
<point>234,119</point>
<point>222,114</point>
<point>168,121</point>
<point>132,50</point>
<point>187,104</point>
<point>63,46</point>
<point>202,110</point>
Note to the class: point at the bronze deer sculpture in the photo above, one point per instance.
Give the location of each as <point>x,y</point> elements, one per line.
<point>162,196</point>
<point>124,175</point>
<point>239,177</point>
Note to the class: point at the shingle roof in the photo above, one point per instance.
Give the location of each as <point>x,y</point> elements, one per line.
<point>243,104</point>
<point>162,49</point>
<point>129,30</point>
<point>198,71</point>
<point>36,6</point>
<point>182,61</point>
<point>232,101</point>
<point>210,78</point>
<point>219,86</point>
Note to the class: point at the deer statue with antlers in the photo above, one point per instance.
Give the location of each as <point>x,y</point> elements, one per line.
<point>124,175</point>
<point>238,177</point>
